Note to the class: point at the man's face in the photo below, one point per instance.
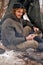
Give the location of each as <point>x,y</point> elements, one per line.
<point>19,12</point>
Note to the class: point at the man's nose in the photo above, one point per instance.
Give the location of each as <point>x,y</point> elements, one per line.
<point>21,13</point>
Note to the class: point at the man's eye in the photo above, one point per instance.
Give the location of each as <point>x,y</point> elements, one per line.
<point>18,11</point>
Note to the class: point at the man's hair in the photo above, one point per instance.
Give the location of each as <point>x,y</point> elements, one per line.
<point>14,10</point>
<point>18,5</point>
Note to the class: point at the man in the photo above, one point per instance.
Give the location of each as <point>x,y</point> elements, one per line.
<point>13,36</point>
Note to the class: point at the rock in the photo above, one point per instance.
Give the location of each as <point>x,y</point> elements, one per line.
<point>10,58</point>
<point>28,57</point>
<point>16,58</point>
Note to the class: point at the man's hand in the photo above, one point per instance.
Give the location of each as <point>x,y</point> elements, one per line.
<point>35,29</point>
<point>31,36</point>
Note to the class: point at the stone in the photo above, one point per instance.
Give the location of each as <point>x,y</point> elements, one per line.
<point>16,58</point>
<point>28,57</point>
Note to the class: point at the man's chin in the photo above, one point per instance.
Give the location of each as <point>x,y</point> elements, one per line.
<point>18,17</point>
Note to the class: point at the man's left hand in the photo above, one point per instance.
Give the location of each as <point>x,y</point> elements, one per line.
<point>35,29</point>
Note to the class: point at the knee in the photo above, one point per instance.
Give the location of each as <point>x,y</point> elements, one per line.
<point>35,44</point>
<point>27,28</point>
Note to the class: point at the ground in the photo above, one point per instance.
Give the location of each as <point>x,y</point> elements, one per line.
<point>30,57</point>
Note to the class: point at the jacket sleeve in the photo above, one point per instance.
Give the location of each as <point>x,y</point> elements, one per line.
<point>25,22</point>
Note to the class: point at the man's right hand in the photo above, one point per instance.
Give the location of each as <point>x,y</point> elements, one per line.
<point>30,37</point>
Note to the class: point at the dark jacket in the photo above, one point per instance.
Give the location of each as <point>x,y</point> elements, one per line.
<point>12,30</point>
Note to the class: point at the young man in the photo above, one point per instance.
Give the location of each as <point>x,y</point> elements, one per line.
<point>13,35</point>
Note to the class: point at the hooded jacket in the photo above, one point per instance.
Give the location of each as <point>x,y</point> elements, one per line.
<point>12,30</point>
